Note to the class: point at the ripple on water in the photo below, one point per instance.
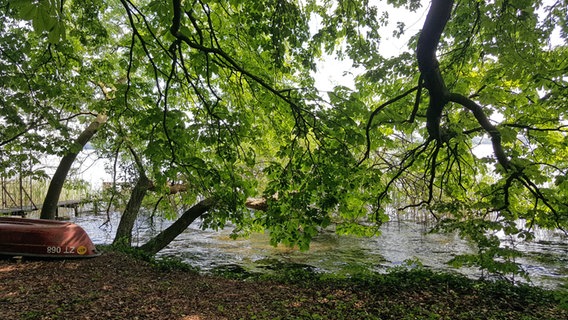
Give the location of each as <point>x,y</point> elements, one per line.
<point>546,259</point>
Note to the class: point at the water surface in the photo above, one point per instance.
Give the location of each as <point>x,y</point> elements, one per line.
<point>546,258</point>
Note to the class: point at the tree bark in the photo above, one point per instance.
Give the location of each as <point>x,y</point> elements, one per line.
<point>169,234</point>
<point>436,20</point>
<point>126,224</point>
<point>483,120</point>
<point>123,235</point>
<point>435,23</point>
<point>257,204</point>
<point>172,189</point>
<point>49,208</point>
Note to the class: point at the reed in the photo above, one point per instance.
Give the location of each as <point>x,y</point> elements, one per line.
<point>27,191</point>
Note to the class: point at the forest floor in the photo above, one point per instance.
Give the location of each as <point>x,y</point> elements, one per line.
<point>119,286</point>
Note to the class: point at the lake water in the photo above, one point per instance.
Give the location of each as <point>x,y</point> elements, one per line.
<point>546,259</point>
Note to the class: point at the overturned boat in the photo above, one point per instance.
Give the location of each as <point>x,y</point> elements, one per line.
<point>44,238</point>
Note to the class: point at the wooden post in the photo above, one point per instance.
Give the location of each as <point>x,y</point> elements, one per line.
<point>3,192</point>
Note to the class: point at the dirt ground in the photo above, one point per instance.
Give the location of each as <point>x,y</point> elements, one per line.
<point>118,286</point>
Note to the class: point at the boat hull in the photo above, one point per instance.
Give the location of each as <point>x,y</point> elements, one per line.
<point>44,238</point>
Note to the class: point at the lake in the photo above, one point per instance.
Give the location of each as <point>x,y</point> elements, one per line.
<point>400,243</point>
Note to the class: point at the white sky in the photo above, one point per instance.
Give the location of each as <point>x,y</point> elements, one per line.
<point>332,72</point>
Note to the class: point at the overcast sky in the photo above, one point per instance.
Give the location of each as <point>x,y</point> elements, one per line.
<point>333,72</point>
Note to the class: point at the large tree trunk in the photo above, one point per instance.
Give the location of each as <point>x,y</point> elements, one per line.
<point>169,234</point>
<point>436,20</point>
<point>126,224</point>
<point>49,208</point>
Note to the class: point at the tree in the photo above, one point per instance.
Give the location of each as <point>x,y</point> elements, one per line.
<point>220,97</point>
<point>49,208</point>
<point>527,186</point>
<point>47,90</point>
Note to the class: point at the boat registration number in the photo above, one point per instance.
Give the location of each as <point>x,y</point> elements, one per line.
<point>66,250</point>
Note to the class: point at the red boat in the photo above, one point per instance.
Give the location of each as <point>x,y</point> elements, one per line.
<point>44,238</point>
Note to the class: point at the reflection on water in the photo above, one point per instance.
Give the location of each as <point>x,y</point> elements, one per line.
<point>546,259</point>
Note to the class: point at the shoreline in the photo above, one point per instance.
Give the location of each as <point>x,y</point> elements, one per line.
<point>118,286</point>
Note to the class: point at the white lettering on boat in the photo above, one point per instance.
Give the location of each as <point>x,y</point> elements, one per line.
<point>65,250</point>
<point>54,250</point>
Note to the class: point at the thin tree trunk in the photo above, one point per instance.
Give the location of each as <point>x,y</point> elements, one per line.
<point>49,208</point>
<point>169,234</point>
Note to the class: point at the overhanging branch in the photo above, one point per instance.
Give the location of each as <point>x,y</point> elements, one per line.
<point>483,120</point>
<point>225,58</point>
<point>374,113</point>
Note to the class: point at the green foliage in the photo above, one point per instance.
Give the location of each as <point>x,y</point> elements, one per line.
<point>166,263</point>
<point>562,298</point>
<point>173,263</point>
<point>45,17</point>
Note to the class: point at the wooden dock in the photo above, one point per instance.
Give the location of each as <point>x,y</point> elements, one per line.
<point>18,211</point>
<point>22,211</point>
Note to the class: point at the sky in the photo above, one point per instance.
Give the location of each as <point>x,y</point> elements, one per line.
<point>332,72</point>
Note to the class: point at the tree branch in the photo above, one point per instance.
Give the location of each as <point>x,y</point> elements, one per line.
<point>374,113</point>
<point>483,120</point>
<point>168,235</point>
<point>175,31</point>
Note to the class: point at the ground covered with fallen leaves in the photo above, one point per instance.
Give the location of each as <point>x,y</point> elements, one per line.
<point>119,286</point>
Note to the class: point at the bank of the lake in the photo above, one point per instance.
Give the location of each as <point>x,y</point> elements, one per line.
<point>119,286</point>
